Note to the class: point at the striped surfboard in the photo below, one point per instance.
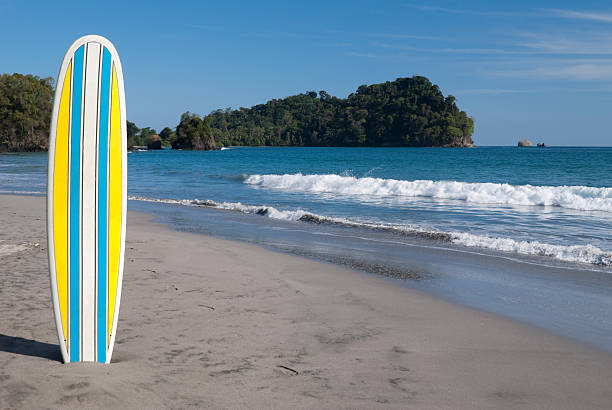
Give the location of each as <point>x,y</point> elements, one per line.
<point>86,199</point>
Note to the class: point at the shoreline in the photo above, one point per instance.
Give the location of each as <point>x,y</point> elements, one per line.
<point>207,322</point>
<point>547,295</point>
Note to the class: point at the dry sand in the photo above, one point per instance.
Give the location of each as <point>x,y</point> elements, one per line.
<point>210,323</point>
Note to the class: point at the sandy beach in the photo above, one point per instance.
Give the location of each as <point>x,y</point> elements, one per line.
<point>209,323</point>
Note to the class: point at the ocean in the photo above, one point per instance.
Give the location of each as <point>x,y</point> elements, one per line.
<point>524,232</point>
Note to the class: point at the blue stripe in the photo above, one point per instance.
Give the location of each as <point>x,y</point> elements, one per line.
<point>102,202</point>
<point>75,203</point>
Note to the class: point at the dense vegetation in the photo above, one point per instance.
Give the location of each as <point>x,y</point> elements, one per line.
<point>146,136</point>
<point>405,112</point>
<point>194,132</point>
<point>26,102</point>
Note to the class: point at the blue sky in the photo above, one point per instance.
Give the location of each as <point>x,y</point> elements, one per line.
<point>540,70</point>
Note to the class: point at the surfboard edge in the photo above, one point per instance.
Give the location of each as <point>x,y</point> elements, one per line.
<point>123,122</point>
<point>50,220</point>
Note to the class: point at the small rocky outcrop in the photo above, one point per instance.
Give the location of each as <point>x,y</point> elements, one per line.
<point>525,143</point>
<point>460,142</point>
<point>210,144</point>
<point>541,145</point>
<point>193,133</point>
<point>154,142</point>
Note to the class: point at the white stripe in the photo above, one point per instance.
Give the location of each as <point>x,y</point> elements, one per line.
<point>90,136</point>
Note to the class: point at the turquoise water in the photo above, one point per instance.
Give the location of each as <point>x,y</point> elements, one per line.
<point>553,203</point>
<point>496,198</point>
<point>526,233</point>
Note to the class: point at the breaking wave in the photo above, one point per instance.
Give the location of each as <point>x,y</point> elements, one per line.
<point>573,253</point>
<point>571,197</point>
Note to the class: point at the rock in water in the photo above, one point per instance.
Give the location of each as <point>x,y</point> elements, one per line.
<point>541,144</point>
<point>525,143</point>
<point>460,142</point>
<point>210,143</point>
<point>154,142</point>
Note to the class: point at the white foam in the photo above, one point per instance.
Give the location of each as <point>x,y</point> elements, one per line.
<point>569,253</point>
<point>570,197</point>
<point>7,248</point>
<point>573,253</point>
<point>268,211</point>
<point>9,192</point>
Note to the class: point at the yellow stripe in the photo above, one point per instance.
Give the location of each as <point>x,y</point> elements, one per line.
<point>114,201</point>
<point>60,200</point>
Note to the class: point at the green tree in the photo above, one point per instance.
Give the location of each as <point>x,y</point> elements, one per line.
<point>194,132</point>
<point>25,112</point>
<point>132,132</point>
<point>145,134</point>
<point>168,136</point>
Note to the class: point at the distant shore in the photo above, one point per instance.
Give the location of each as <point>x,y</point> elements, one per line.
<point>206,322</point>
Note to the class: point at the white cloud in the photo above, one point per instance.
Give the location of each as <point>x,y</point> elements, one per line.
<point>584,15</point>
<point>484,51</point>
<point>393,46</point>
<point>586,71</point>
<point>487,91</point>
<point>364,55</point>
<point>404,36</point>
<point>425,7</point>
<point>605,16</point>
<point>496,91</point>
<point>601,70</point>
<point>576,42</point>
<point>452,50</point>
<point>527,43</point>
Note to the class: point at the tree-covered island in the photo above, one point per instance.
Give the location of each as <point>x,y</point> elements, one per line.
<point>407,112</point>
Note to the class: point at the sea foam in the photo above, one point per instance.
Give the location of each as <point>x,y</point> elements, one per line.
<point>588,254</point>
<point>570,197</point>
<point>7,248</point>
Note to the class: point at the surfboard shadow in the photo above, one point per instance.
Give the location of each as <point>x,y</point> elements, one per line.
<point>28,347</point>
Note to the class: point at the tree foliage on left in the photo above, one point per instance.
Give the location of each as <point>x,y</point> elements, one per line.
<point>26,102</point>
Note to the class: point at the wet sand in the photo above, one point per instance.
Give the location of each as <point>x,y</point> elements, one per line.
<point>210,323</point>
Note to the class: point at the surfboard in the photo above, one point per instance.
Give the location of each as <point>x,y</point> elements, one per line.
<point>87,199</point>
